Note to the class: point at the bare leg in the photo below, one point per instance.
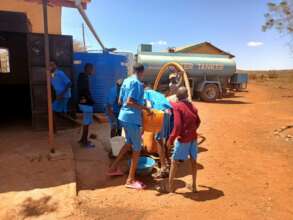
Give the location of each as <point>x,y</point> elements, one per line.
<point>167,156</point>
<point>119,131</point>
<point>113,132</point>
<point>121,154</point>
<point>194,174</point>
<point>161,151</point>
<point>172,175</point>
<point>134,160</point>
<point>85,132</point>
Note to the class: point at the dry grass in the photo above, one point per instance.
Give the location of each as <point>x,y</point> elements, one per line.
<point>279,75</point>
<point>276,78</point>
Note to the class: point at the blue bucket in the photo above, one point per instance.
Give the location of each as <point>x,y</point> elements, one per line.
<point>145,165</point>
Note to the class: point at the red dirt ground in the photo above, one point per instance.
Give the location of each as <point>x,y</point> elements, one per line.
<point>245,171</point>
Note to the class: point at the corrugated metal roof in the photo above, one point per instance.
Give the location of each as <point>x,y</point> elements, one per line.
<point>183,49</point>
<point>194,46</point>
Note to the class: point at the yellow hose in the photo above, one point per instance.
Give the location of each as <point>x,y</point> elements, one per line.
<point>179,68</point>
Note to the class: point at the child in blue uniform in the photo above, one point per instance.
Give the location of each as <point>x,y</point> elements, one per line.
<point>130,117</point>
<point>158,101</point>
<point>113,108</point>
<point>61,85</point>
<point>86,103</point>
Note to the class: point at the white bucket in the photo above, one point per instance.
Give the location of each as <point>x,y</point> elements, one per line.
<point>116,144</point>
<point>123,133</point>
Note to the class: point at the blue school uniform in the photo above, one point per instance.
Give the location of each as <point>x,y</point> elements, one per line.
<point>131,118</point>
<point>59,82</point>
<point>183,150</point>
<point>112,100</point>
<point>85,98</point>
<point>131,88</point>
<point>157,100</point>
<point>87,111</point>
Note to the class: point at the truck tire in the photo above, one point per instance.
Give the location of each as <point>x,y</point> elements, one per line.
<point>210,93</point>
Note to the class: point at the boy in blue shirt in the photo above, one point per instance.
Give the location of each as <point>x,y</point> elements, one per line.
<point>113,108</point>
<point>158,101</point>
<point>130,117</point>
<point>61,85</point>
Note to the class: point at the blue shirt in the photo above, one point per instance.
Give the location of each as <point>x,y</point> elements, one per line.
<point>112,99</point>
<point>59,82</point>
<point>131,88</point>
<point>157,100</point>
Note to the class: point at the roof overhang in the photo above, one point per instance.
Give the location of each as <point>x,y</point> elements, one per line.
<point>63,3</point>
<point>180,49</point>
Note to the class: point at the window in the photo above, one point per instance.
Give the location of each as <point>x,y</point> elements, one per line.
<point>4,60</point>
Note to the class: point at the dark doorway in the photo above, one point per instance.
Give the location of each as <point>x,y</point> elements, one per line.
<point>14,79</point>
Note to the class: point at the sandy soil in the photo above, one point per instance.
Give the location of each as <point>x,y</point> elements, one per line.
<point>245,169</point>
<point>34,184</point>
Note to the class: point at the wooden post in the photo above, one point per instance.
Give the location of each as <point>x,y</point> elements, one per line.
<point>83,38</point>
<point>88,23</point>
<point>48,74</point>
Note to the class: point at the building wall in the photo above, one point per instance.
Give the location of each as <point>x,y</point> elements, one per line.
<point>34,13</point>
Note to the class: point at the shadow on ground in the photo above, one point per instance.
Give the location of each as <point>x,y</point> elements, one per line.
<point>229,102</point>
<point>209,193</point>
<point>204,193</point>
<point>91,164</point>
<point>202,149</point>
<point>37,207</point>
<point>26,164</point>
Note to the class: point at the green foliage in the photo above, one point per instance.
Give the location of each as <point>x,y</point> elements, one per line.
<point>280,16</point>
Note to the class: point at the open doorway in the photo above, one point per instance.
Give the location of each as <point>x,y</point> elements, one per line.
<point>14,80</point>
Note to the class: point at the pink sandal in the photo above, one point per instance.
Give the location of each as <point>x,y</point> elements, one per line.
<point>117,172</point>
<point>135,185</point>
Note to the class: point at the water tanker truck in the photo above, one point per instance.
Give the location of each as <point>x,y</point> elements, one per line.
<point>210,76</point>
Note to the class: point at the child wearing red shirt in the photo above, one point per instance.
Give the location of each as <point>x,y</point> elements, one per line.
<point>184,135</point>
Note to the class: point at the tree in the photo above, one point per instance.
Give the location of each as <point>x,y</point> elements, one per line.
<point>280,17</point>
<point>78,46</point>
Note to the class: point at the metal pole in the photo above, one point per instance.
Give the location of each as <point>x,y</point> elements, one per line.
<point>88,23</point>
<point>83,38</point>
<point>48,74</point>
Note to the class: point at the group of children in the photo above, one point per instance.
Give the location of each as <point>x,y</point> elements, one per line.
<point>124,106</point>
<point>133,99</point>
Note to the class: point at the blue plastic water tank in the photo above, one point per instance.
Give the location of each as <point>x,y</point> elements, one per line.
<point>108,68</point>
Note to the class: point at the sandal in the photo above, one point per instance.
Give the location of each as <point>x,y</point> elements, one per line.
<point>161,174</point>
<point>117,172</point>
<point>136,185</point>
<point>191,188</point>
<point>89,145</point>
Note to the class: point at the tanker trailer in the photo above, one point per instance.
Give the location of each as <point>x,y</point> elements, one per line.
<point>209,75</point>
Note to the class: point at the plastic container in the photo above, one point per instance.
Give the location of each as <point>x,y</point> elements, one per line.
<point>149,142</point>
<point>145,165</point>
<point>116,144</point>
<point>108,68</point>
<point>154,122</point>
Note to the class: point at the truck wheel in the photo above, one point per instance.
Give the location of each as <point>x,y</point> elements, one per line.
<point>210,93</point>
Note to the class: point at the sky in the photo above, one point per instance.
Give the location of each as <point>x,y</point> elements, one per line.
<point>232,25</point>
